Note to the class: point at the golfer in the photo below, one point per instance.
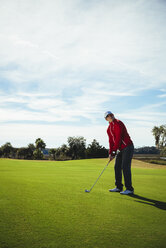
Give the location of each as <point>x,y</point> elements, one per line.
<point>121,146</point>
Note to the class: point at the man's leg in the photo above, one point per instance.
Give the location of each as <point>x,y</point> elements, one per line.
<point>127,155</point>
<point>118,171</point>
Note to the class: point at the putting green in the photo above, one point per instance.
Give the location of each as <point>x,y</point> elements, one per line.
<point>43,204</point>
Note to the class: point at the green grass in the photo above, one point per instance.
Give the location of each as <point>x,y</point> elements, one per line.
<point>43,205</point>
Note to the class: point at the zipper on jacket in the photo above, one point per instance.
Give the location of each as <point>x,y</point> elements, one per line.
<point>124,143</point>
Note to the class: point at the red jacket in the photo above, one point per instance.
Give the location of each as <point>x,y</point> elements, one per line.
<point>118,136</point>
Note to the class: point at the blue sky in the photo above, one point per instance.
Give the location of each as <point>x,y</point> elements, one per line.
<point>64,63</point>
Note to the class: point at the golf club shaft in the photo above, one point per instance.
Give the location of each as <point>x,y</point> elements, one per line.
<point>100,175</point>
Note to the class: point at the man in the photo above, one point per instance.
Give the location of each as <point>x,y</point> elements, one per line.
<point>121,146</point>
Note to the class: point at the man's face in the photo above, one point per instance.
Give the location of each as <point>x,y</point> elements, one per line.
<point>109,118</point>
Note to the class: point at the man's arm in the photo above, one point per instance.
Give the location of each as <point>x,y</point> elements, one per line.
<point>110,144</point>
<point>118,137</point>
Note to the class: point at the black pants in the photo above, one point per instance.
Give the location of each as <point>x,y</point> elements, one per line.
<point>123,163</point>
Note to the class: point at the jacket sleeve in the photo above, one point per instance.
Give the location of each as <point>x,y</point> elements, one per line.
<point>118,137</point>
<point>110,145</point>
<point>110,141</point>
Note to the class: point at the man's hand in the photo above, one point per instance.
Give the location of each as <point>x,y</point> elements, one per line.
<point>111,157</point>
<point>113,153</point>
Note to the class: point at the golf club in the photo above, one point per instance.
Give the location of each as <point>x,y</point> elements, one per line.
<point>88,191</point>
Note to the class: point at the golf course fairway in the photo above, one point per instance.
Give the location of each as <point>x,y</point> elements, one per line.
<point>43,204</point>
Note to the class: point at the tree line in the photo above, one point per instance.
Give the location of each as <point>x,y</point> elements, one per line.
<point>75,149</point>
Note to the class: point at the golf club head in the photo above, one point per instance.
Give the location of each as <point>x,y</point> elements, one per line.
<point>87,191</point>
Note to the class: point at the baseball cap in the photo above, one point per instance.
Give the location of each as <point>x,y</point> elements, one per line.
<point>107,113</point>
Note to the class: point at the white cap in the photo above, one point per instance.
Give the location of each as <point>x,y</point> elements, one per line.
<point>107,113</point>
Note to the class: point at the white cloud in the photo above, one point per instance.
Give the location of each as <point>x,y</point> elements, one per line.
<point>162,96</point>
<point>146,116</point>
<point>53,36</point>
<point>66,61</point>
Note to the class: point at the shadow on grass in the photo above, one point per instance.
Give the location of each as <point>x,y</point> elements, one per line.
<point>157,204</point>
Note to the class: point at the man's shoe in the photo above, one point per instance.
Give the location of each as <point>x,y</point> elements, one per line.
<point>127,192</point>
<point>114,190</point>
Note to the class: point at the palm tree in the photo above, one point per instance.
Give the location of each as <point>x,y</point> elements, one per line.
<point>157,133</point>
<point>160,136</point>
<point>163,135</point>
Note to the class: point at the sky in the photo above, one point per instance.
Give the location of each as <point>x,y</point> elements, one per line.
<point>64,63</point>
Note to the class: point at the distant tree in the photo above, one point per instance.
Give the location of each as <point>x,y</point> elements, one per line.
<point>7,150</point>
<point>77,147</point>
<point>157,133</point>
<point>160,137</point>
<point>95,150</point>
<point>22,153</point>
<point>52,153</point>
<point>1,153</point>
<point>60,153</point>
<point>25,152</point>
<point>31,148</point>
<point>163,136</point>
<point>40,144</point>
<point>37,153</point>
<point>163,151</point>
<point>14,152</point>
<point>64,152</point>
<point>64,149</point>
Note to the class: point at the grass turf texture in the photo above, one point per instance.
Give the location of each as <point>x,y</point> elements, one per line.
<point>44,205</point>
